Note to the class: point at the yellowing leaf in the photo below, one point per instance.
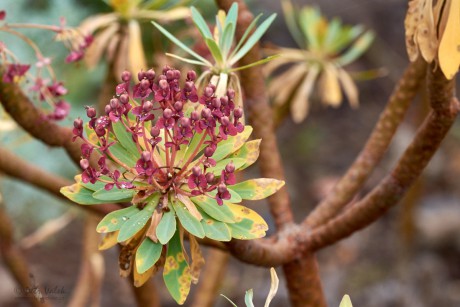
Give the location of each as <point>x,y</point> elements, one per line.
<point>249,224</point>
<point>255,189</point>
<point>176,273</point>
<point>346,301</point>
<point>300,104</point>
<point>197,259</point>
<point>330,87</point>
<point>449,48</point>
<point>249,152</point>
<point>142,278</point>
<point>108,241</point>
<point>80,195</point>
<point>349,88</point>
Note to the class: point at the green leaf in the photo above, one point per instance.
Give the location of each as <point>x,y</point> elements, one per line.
<point>217,170</point>
<point>114,194</point>
<point>188,221</point>
<point>245,35</point>
<point>190,61</point>
<point>93,186</point>
<point>166,227</point>
<point>201,23</point>
<point>147,255</point>
<point>215,50</point>
<point>125,138</point>
<point>209,205</point>
<point>346,301</point>
<point>249,224</point>
<point>309,20</point>
<point>248,298</point>
<point>232,144</point>
<point>214,229</point>
<point>256,189</point>
<point>260,62</point>
<point>291,21</point>
<point>227,39</point>
<point>180,44</point>
<point>249,152</point>
<point>232,17</point>
<point>123,155</point>
<point>229,300</point>
<point>80,195</point>
<point>253,39</point>
<point>357,49</point>
<point>137,221</point>
<point>114,220</point>
<point>176,273</point>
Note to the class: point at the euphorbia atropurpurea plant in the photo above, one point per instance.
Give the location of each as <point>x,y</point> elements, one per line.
<point>171,156</point>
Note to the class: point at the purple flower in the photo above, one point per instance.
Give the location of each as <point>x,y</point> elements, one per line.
<point>14,70</point>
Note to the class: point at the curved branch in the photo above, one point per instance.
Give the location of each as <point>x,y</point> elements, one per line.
<point>375,148</point>
<point>13,166</point>
<point>392,188</point>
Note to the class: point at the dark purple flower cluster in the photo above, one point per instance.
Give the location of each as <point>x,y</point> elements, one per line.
<point>174,131</point>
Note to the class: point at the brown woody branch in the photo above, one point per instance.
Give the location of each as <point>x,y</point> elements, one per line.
<point>13,166</point>
<point>15,261</point>
<point>392,188</point>
<point>375,148</point>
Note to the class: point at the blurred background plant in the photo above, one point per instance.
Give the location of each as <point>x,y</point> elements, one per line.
<point>222,49</point>
<point>325,48</point>
<point>121,36</point>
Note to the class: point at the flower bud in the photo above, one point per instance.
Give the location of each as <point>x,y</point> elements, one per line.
<point>163,84</point>
<point>191,75</point>
<point>238,113</point>
<point>230,168</point>
<point>124,98</point>
<point>178,105</point>
<point>225,121</point>
<point>188,86</point>
<point>150,74</point>
<point>100,131</point>
<point>222,188</point>
<point>194,116</point>
<point>185,122</point>
<point>144,84</point>
<point>210,178</point>
<point>176,74</point>
<point>231,93</point>
<point>145,156</point>
<point>170,75</point>
<point>155,131</point>
<point>78,123</point>
<point>209,151</point>
<point>206,113</point>
<point>216,103</point>
<point>224,100</point>
<point>84,164</point>
<point>114,103</point>
<point>167,113</point>
<point>107,109</point>
<point>196,170</point>
<point>126,76</point>
<point>208,91</point>
<point>140,75</point>
<point>90,112</point>
<point>147,106</point>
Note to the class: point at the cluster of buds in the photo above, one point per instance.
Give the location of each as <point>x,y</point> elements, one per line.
<point>170,132</point>
<point>48,91</point>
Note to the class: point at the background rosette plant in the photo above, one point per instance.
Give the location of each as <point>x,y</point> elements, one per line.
<point>173,155</point>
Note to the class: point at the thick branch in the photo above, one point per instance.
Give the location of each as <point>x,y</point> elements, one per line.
<point>392,188</point>
<point>375,148</point>
<point>13,166</point>
<point>15,261</point>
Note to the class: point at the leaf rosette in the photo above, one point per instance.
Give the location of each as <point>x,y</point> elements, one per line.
<point>171,158</point>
